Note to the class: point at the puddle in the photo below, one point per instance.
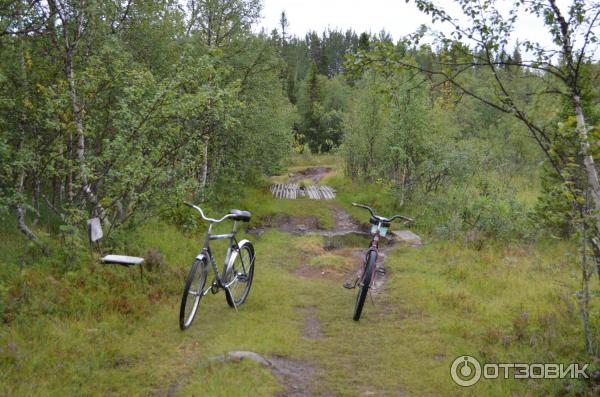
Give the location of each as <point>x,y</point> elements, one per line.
<point>344,240</point>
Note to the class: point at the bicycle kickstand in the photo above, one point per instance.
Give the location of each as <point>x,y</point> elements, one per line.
<point>371,295</point>
<point>227,291</point>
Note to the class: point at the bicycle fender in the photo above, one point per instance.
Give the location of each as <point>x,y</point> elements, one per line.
<point>235,253</point>
<point>244,242</point>
<point>201,256</point>
<point>372,251</point>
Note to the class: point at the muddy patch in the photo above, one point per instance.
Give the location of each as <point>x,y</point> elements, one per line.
<point>313,174</point>
<point>344,222</point>
<point>297,376</point>
<point>381,272</point>
<point>296,225</point>
<point>354,240</point>
<point>343,248</point>
<point>313,272</point>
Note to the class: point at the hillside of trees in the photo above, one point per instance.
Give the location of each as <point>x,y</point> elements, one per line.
<point>120,111</point>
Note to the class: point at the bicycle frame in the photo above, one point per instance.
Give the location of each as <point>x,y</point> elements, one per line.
<point>374,250</point>
<point>206,252</point>
<point>374,246</point>
<point>238,268</point>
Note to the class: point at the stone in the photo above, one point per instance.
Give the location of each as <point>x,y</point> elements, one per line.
<point>408,237</point>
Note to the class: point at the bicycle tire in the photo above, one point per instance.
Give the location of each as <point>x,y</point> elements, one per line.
<point>364,284</point>
<point>200,268</point>
<point>246,256</point>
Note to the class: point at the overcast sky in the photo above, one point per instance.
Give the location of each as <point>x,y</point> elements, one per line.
<point>395,16</point>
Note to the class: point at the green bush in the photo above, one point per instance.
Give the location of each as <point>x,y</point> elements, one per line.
<point>476,214</point>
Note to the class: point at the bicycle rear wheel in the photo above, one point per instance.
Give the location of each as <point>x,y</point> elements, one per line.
<point>192,293</point>
<point>239,274</point>
<point>364,284</point>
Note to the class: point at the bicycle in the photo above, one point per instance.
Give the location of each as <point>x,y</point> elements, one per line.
<point>379,228</point>
<point>237,275</point>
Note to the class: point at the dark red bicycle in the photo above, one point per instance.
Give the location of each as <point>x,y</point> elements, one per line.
<point>365,280</point>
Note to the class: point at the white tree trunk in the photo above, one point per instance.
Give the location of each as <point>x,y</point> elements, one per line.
<point>592,176</point>
<point>205,166</point>
<point>20,211</point>
<point>590,166</point>
<point>100,212</point>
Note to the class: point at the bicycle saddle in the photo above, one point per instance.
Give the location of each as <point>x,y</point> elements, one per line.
<point>239,215</point>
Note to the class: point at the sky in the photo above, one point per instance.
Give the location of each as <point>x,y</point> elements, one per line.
<point>395,16</point>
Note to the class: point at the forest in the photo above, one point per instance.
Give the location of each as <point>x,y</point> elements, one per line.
<point>124,110</point>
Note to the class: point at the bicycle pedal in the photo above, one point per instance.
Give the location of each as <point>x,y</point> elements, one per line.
<point>349,285</point>
<point>380,270</point>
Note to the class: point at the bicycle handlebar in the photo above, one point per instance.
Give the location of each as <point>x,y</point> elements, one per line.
<point>365,207</point>
<point>404,218</point>
<point>205,217</point>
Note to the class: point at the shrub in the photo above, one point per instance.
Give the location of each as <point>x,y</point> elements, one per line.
<point>476,214</point>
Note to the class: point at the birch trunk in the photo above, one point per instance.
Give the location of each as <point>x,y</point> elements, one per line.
<point>69,176</point>
<point>592,176</point>
<point>205,166</point>
<point>590,165</point>
<point>20,212</point>
<point>70,48</point>
<point>584,295</point>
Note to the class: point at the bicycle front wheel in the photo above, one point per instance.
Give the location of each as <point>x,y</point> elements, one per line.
<point>192,293</point>
<point>364,284</point>
<point>239,274</point>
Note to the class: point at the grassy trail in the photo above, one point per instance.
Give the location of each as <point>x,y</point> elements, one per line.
<point>440,301</point>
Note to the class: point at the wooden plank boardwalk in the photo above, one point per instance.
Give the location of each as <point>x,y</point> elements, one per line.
<point>293,191</point>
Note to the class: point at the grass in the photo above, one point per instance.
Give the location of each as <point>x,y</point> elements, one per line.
<point>95,331</point>
<point>126,340</point>
<point>300,161</point>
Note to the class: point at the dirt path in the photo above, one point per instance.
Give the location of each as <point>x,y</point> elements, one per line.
<point>347,233</point>
<point>347,240</point>
<point>313,174</point>
<point>297,375</point>
<point>344,224</point>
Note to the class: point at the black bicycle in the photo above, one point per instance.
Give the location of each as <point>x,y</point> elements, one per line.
<point>366,278</point>
<point>238,270</point>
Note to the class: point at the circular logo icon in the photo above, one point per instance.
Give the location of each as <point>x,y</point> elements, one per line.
<point>465,371</point>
